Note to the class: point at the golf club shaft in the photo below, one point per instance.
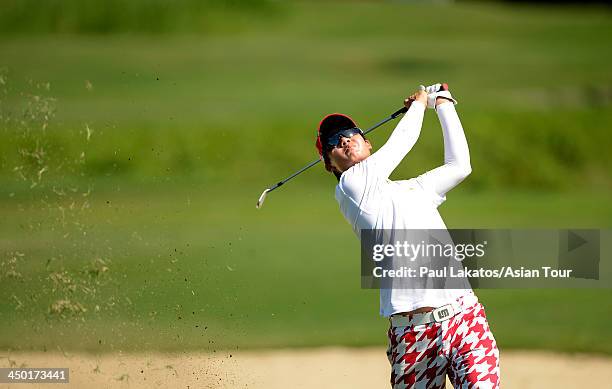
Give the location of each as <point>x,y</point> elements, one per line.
<point>270,189</point>
<point>393,116</point>
<point>294,174</point>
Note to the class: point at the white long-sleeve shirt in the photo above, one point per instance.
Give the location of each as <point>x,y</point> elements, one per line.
<point>368,199</point>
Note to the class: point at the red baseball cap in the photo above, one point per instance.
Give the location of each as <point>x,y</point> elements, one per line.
<point>329,125</point>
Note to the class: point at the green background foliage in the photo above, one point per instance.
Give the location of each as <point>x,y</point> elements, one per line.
<point>136,139</point>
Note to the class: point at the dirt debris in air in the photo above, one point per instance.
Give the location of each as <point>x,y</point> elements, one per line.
<point>54,207</point>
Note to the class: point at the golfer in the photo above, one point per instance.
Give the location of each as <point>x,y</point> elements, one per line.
<point>433,332</point>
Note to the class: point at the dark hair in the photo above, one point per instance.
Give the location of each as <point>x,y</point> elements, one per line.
<point>327,162</point>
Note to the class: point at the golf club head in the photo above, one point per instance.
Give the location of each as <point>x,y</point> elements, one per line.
<point>262,198</point>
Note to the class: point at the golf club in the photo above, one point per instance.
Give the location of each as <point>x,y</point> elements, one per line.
<point>262,198</point>
<point>273,187</point>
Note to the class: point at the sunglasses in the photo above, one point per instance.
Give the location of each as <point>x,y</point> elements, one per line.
<point>334,140</point>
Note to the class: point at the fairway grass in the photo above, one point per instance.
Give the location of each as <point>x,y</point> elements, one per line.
<point>194,268</point>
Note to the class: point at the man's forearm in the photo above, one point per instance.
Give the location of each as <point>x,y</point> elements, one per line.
<point>456,151</point>
<point>456,154</point>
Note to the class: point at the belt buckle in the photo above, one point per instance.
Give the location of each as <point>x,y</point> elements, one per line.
<point>443,313</point>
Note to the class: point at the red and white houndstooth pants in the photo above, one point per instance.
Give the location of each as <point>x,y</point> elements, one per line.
<point>463,347</point>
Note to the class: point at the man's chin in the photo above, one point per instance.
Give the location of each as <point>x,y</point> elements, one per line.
<point>354,161</point>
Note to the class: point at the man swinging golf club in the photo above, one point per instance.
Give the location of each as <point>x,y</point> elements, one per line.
<point>424,345</point>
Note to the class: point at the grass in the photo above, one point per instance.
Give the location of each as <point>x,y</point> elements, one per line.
<point>190,265</point>
<point>130,165</point>
<point>536,112</point>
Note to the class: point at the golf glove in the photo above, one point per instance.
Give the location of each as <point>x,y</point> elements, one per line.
<point>433,92</point>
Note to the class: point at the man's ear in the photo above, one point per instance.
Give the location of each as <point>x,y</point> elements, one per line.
<point>330,167</point>
<point>369,144</point>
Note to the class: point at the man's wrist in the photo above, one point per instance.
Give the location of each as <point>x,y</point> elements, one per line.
<point>444,106</point>
<point>442,100</point>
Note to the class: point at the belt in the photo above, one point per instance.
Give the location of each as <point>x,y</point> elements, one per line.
<point>438,315</point>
